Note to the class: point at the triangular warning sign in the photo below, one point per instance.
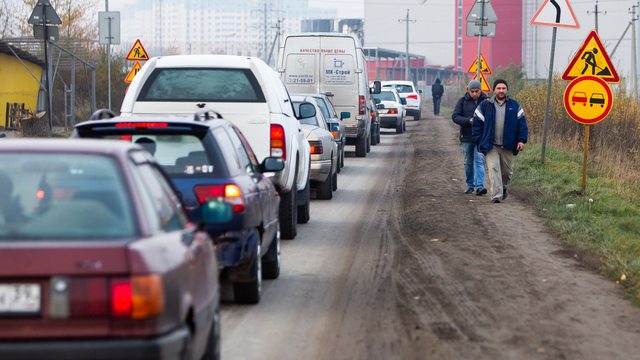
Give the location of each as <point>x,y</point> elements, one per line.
<point>133,72</point>
<point>591,59</point>
<point>556,13</point>
<point>137,53</point>
<point>485,67</point>
<point>485,86</point>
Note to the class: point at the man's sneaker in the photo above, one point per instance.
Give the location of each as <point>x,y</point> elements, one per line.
<point>469,191</point>
<point>495,200</point>
<point>481,191</point>
<point>505,194</point>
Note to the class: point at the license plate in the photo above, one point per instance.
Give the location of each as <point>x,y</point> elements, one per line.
<point>19,298</point>
<point>383,111</point>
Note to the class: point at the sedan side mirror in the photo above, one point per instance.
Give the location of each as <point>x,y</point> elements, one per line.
<point>272,164</point>
<point>378,101</point>
<point>307,110</point>
<point>419,91</point>
<point>214,212</point>
<point>377,87</point>
<point>345,115</point>
<point>380,106</point>
<point>404,101</point>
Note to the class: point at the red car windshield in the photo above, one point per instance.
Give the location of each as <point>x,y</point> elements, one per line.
<point>63,196</point>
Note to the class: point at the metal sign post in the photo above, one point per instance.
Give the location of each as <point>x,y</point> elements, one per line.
<point>555,14</point>
<point>109,27</point>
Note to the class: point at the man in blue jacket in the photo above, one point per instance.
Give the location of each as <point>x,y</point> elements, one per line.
<point>500,131</point>
<point>463,116</point>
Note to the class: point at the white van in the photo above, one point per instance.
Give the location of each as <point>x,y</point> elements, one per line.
<point>250,95</point>
<point>331,64</point>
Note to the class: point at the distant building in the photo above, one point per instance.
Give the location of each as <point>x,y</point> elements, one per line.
<point>240,27</point>
<point>17,85</point>
<point>345,26</point>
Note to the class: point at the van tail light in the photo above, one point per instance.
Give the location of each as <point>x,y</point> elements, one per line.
<point>413,97</point>
<point>363,105</point>
<point>393,111</point>
<point>278,142</point>
<point>316,147</point>
<point>137,297</point>
<point>229,194</point>
<point>373,115</point>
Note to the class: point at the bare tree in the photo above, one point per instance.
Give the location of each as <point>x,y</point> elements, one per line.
<point>8,10</point>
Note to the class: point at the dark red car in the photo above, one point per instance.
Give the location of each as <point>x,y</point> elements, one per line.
<point>98,259</point>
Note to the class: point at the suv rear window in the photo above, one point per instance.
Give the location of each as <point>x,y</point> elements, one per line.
<point>206,85</point>
<point>63,196</point>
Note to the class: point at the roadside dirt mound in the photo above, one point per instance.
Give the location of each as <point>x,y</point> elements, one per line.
<point>478,280</point>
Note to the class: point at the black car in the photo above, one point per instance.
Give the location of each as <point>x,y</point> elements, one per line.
<point>209,158</point>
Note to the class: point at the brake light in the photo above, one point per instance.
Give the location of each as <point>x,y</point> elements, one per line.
<point>316,147</point>
<point>141,125</point>
<point>373,115</point>
<point>413,97</point>
<point>126,137</point>
<point>363,105</point>
<point>393,111</point>
<point>137,297</point>
<point>278,142</point>
<point>229,194</point>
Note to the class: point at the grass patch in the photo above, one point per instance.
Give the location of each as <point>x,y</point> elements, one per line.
<point>607,228</point>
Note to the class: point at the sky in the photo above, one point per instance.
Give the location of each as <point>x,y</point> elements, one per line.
<point>347,9</point>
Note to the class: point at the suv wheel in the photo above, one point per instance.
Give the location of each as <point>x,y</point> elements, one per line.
<point>249,293</point>
<point>369,142</point>
<point>289,212</point>
<point>324,191</point>
<point>417,115</point>
<point>271,260</point>
<point>303,210</point>
<point>361,147</point>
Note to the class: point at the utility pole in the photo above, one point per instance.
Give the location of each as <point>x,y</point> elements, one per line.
<point>634,54</point>
<point>106,8</point>
<point>407,72</point>
<point>265,31</point>
<point>596,12</point>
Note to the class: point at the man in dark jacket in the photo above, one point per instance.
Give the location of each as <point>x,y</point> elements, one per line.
<point>463,116</point>
<point>437,90</point>
<point>500,131</point>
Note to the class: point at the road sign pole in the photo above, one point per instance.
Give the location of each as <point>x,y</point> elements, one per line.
<point>480,40</point>
<point>584,162</point>
<point>546,109</point>
<point>109,64</point>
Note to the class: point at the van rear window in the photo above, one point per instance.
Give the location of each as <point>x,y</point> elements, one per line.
<point>205,85</point>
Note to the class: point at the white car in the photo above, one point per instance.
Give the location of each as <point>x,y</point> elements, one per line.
<point>248,93</point>
<point>392,113</point>
<point>407,91</point>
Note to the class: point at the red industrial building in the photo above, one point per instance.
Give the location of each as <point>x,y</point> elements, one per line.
<point>501,50</point>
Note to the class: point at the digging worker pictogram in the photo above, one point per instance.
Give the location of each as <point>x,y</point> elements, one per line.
<point>590,61</point>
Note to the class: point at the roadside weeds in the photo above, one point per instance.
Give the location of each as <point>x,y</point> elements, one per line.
<point>601,228</point>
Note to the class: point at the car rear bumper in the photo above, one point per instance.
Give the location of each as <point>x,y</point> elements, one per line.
<point>320,170</point>
<point>168,346</point>
<point>389,120</point>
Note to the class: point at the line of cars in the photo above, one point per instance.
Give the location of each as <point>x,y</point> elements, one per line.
<point>115,247</point>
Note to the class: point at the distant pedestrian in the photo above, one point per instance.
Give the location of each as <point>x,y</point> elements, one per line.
<point>500,131</point>
<point>437,90</point>
<point>463,116</point>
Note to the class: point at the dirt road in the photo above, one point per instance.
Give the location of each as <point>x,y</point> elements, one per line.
<point>367,279</point>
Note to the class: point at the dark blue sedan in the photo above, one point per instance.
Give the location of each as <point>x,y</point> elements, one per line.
<point>209,159</point>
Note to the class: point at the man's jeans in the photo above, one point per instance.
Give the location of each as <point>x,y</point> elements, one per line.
<point>474,174</point>
<point>436,105</point>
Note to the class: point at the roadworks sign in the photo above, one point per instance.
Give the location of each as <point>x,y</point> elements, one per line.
<point>556,13</point>
<point>593,60</point>
<point>485,86</point>
<point>137,53</point>
<point>484,68</point>
<point>133,72</point>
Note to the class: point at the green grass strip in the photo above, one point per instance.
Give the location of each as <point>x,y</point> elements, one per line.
<point>607,229</point>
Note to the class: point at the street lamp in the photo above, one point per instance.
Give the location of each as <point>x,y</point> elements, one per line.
<point>225,42</point>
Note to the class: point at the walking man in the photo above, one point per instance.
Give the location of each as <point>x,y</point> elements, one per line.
<point>463,116</point>
<point>436,91</point>
<point>500,130</point>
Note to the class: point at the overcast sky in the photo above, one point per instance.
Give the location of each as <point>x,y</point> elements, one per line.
<point>347,9</point>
